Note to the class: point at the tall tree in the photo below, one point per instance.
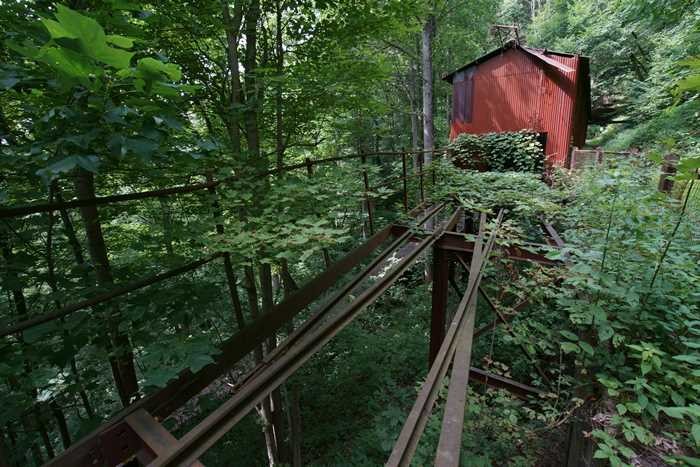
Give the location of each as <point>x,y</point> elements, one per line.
<point>427,64</point>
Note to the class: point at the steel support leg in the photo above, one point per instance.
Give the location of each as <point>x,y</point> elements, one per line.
<point>438,316</point>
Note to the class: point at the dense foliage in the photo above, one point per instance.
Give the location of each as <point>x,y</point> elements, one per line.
<point>631,299</point>
<point>102,98</point>
<point>518,151</point>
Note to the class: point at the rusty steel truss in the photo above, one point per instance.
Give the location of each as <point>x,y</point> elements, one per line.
<point>136,434</point>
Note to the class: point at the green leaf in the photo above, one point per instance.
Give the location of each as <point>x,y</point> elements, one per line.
<point>695,433</point>
<point>642,400</point>
<point>605,332</point>
<point>159,377</point>
<point>691,83</point>
<point>56,29</point>
<point>153,69</point>
<point>38,332</point>
<point>675,412</point>
<point>197,362</point>
<point>692,359</point>
<point>569,347</point>
<point>120,41</point>
<point>79,26</point>
<point>621,409</point>
<point>115,57</point>
<point>569,335</point>
<point>8,82</point>
<point>625,451</point>
<point>71,64</point>
<point>90,37</point>
<point>587,348</point>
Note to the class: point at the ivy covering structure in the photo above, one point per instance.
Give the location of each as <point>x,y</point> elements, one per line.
<point>518,151</point>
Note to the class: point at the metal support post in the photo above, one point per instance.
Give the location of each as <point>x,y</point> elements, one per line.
<point>420,177</point>
<point>405,181</point>
<point>441,270</point>
<point>368,203</point>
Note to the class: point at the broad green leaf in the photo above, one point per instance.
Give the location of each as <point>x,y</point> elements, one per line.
<point>587,347</point>
<point>153,69</point>
<point>120,41</point>
<point>675,412</point>
<point>569,335</point>
<point>117,58</point>
<point>56,29</point>
<point>72,64</point>
<point>81,27</point>
<point>691,83</point>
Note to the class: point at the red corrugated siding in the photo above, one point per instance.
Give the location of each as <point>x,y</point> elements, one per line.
<point>513,91</point>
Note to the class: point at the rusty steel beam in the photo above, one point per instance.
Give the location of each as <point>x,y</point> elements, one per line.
<point>552,235</point>
<point>157,440</point>
<point>438,310</point>
<point>438,314</point>
<point>496,321</point>
<point>25,210</point>
<point>503,319</point>
<point>162,403</point>
<point>279,365</point>
<point>106,296</point>
<point>457,243</point>
<point>516,388</point>
<point>18,211</point>
<point>450,442</point>
<point>414,425</point>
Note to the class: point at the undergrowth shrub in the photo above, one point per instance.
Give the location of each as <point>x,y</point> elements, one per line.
<point>518,151</point>
<point>632,303</point>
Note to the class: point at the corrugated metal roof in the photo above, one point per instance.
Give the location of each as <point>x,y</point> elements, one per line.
<point>541,53</point>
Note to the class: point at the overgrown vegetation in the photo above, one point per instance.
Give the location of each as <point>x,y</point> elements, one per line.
<point>518,151</point>
<point>121,97</point>
<point>632,305</point>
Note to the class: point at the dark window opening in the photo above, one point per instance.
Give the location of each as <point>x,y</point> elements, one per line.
<point>463,96</point>
<point>542,138</point>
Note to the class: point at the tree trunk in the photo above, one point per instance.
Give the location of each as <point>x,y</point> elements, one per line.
<point>69,230</point>
<point>167,219</point>
<point>427,62</point>
<point>295,424</point>
<point>413,92</point>
<point>53,285</point>
<point>233,30</point>
<point>251,86</point>
<point>428,129</point>
<point>122,360</point>
<point>265,409</point>
<point>288,282</point>
<point>21,312</point>
<point>62,424</point>
<point>279,131</point>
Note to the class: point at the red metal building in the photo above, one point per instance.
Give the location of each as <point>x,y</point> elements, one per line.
<point>520,88</point>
